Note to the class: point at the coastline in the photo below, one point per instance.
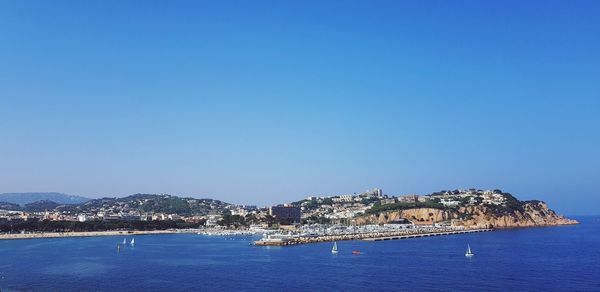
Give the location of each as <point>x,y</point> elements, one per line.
<point>91,233</point>
<point>38,235</point>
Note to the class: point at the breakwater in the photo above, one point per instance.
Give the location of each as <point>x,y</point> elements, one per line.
<point>395,237</point>
<point>374,236</point>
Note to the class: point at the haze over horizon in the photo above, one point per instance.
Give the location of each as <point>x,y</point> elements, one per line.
<point>249,105</point>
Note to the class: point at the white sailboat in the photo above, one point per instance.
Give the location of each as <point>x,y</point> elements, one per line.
<point>124,241</point>
<point>132,241</point>
<point>334,248</point>
<point>469,253</point>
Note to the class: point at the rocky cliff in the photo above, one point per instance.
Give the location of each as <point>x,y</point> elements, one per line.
<point>527,214</point>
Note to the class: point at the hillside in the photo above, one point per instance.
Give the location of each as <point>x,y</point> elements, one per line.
<point>26,198</point>
<point>512,213</point>
<point>9,206</point>
<point>151,203</point>
<point>39,206</point>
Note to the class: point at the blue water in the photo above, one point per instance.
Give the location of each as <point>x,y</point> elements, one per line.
<point>554,258</point>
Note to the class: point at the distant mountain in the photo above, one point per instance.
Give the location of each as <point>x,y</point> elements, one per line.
<point>26,198</point>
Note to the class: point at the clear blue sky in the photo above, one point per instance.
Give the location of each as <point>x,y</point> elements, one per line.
<point>269,101</point>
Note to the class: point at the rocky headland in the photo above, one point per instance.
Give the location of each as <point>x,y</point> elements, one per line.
<point>518,214</point>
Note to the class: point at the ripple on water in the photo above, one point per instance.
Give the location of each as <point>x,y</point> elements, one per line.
<point>189,262</point>
<point>78,269</point>
<point>534,259</point>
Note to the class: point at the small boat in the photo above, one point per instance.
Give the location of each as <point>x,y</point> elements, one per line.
<point>124,241</point>
<point>334,248</point>
<point>356,252</point>
<point>469,253</point>
<point>132,242</point>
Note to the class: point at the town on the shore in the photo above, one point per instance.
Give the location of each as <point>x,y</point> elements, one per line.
<point>367,215</point>
<point>322,209</point>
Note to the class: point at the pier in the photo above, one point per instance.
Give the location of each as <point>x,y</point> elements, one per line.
<point>426,234</point>
<point>376,236</point>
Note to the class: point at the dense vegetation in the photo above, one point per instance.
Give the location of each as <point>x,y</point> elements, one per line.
<point>170,205</point>
<point>403,206</point>
<point>245,221</point>
<point>512,204</point>
<point>233,221</point>
<point>69,226</point>
<point>9,206</point>
<point>150,203</point>
<point>313,204</point>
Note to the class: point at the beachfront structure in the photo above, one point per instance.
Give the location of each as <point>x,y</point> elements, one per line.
<point>81,217</point>
<point>212,220</point>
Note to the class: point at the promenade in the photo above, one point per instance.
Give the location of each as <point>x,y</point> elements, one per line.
<point>9,236</point>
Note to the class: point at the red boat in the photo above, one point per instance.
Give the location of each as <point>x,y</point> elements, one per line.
<point>356,252</point>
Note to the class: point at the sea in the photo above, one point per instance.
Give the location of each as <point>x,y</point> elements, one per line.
<point>564,258</point>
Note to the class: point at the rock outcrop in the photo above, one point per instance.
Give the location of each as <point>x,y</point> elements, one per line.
<point>528,214</point>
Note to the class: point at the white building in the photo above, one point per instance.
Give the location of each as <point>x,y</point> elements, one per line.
<point>81,218</point>
<point>212,220</point>
<point>449,202</point>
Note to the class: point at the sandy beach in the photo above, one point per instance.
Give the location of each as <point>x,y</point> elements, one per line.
<point>90,233</point>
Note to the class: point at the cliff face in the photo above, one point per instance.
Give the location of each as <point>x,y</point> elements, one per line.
<point>418,216</point>
<point>534,213</point>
